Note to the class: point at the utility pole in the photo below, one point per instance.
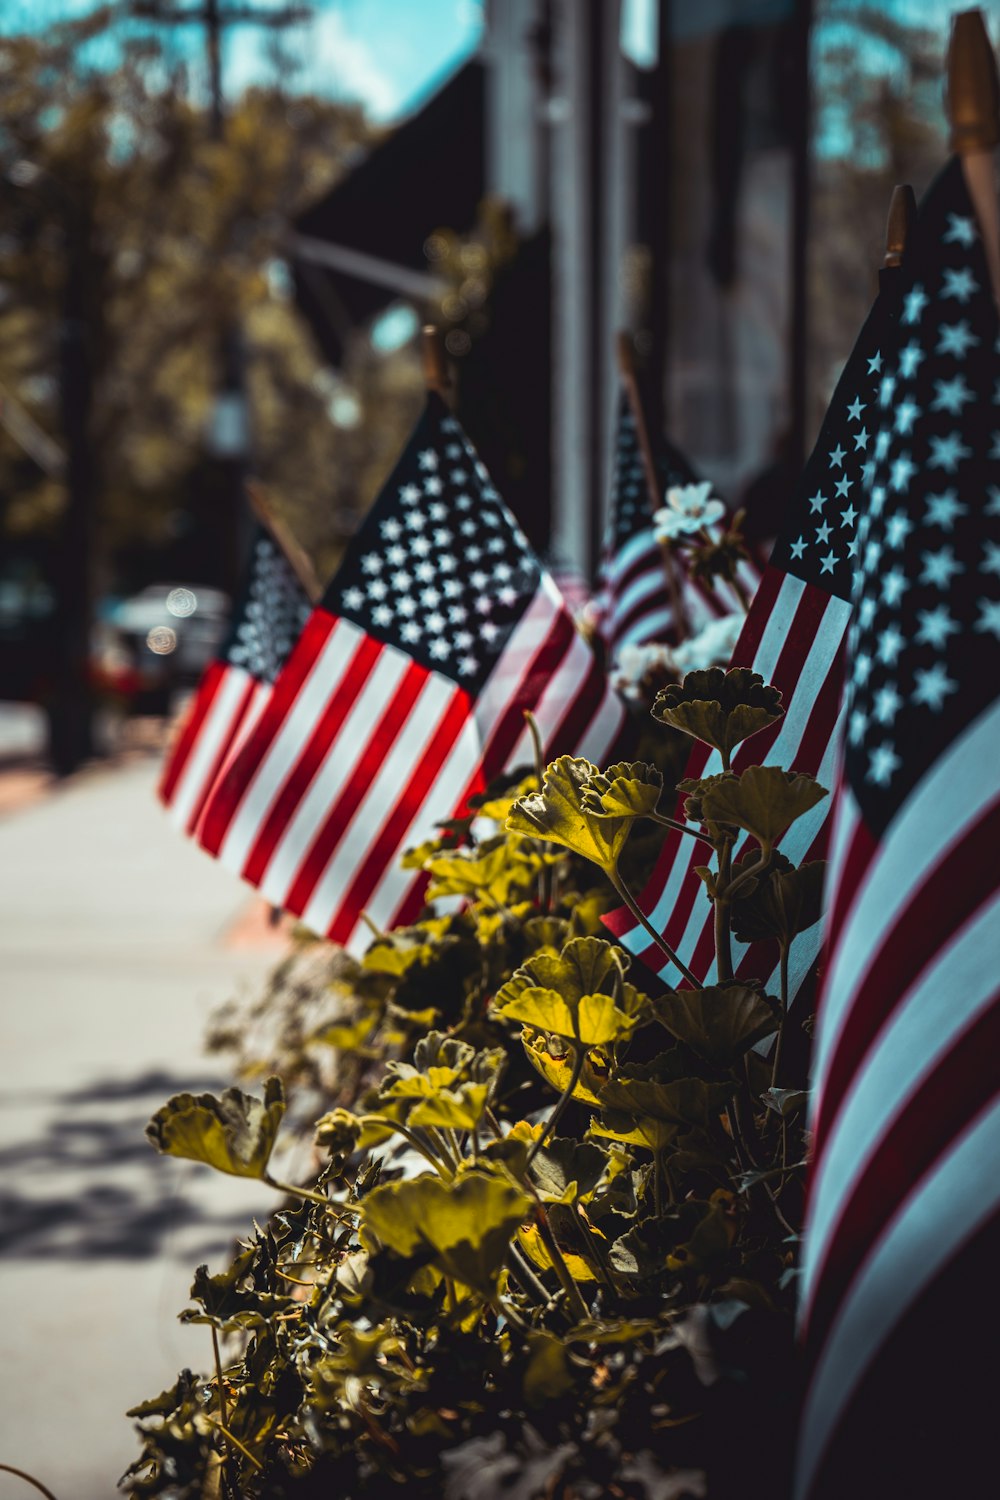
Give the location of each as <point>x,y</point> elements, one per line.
<point>228,434</point>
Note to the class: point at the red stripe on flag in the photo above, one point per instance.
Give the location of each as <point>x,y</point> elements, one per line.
<point>228,794</point>
<point>934,910</point>
<point>235,724</point>
<point>207,689</point>
<point>314,752</point>
<point>961,1084</point>
<point>384,852</point>
<point>376,748</point>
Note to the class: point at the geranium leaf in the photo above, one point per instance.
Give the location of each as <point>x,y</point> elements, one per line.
<point>784,902</point>
<point>762,800</point>
<point>234,1133</point>
<point>557,814</point>
<point>581,995</point>
<point>719,1022</point>
<point>467,1225</point>
<point>719,708</point>
<point>557,1069</point>
<point>565,1170</point>
<point>625,790</point>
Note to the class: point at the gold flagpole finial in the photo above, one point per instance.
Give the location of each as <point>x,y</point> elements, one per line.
<point>436,373</point>
<point>902,210</point>
<point>973,90</point>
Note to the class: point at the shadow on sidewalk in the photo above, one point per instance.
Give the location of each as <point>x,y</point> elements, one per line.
<point>91,1186</point>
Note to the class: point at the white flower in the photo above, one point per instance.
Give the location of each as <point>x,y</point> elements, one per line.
<point>634,663</point>
<point>689,507</point>
<point>711,647</point>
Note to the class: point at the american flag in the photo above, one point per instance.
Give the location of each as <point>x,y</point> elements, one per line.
<point>794,637</point>
<point>404,695</point>
<point>903,1227</point>
<point>632,594</point>
<point>270,613</point>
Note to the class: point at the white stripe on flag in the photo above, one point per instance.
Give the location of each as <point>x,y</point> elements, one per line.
<point>212,735</point>
<point>334,772</point>
<point>936,816</point>
<point>366,825</point>
<point>950,993</point>
<point>558,694</point>
<point>940,1215</point>
<point>284,750</point>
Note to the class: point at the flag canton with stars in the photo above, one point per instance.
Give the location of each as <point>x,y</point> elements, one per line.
<point>271,613</point>
<point>439,569</point>
<point>819,540</point>
<point>924,655</point>
<point>631,513</point>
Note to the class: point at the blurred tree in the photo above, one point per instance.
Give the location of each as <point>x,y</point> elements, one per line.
<point>130,240</point>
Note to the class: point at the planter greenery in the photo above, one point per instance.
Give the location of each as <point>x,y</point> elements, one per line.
<point>550,1248</point>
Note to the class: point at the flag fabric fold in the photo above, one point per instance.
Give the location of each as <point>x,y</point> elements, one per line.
<point>794,637</point>
<point>270,612</point>
<point>903,1224</point>
<point>405,694</point>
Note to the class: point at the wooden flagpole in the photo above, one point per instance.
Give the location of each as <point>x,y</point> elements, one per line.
<point>297,559</point>
<point>973,105</point>
<point>437,374</point>
<point>626,370</point>
<point>902,211</point>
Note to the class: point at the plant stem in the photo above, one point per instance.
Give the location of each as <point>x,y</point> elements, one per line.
<point>660,942</point>
<point>440,1166</point>
<point>680,827</point>
<point>28,1479</point>
<point>784,1013</point>
<point>306,1193</point>
<point>722,916</point>
<point>579,1055</point>
<point>223,1414</point>
<point>545,874</point>
<point>573,1294</point>
<point>237,1444</point>
<point>526,1275</point>
<point>745,876</point>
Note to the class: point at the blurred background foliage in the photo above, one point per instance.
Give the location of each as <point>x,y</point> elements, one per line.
<point>111,176</point>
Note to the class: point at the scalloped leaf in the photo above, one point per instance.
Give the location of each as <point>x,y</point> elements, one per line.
<point>762,800</point>
<point>557,814</point>
<point>557,1070</point>
<point>497,869</point>
<point>783,903</point>
<point>720,708</point>
<point>569,995</point>
<point>719,1023</point>
<point>466,1225</point>
<point>234,1133</point>
<point>626,790</point>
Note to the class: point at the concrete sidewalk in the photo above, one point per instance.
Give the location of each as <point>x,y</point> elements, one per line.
<point>113,950</point>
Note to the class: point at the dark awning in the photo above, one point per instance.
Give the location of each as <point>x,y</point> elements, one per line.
<point>362,246</point>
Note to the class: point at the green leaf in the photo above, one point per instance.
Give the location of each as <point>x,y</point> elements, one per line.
<point>547,1375</point>
<point>498,870</point>
<point>466,1225</point>
<point>783,902</point>
<point>234,1133</point>
<point>632,1130</point>
<point>565,1170</point>
<point>625,790</point>
<point>454,1109</point>
<point>719,708</point>
<point>557,813</point>
<point>557,1068</point>
<point>720,1023</point>
<point>581,995</point>
<point>762,800</point>
<point>785,1102</point>
<point>654,1091</point>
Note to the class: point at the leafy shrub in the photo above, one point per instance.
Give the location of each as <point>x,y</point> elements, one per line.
<point>550,1247</point>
